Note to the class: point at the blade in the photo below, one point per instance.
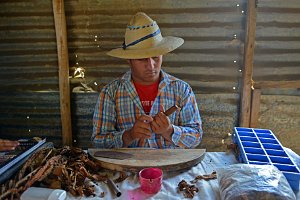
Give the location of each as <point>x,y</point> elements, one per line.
<point>113,154</point>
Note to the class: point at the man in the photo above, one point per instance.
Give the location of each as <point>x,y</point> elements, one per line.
<point>8,145</point>
<point>130,110</point>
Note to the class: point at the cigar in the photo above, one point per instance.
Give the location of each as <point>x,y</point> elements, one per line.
<point>171,110</point>
<point>113,187</point>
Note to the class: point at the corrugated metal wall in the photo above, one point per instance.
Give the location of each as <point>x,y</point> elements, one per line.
<point>28,55</point>
<point>29,98</point>
<point>277,58</point>
<point>211,58</point>
<point>277,51</point>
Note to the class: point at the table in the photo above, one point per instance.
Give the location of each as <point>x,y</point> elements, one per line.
<point>130,187</point>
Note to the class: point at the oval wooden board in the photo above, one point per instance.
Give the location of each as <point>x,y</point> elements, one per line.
<point>166,159</point>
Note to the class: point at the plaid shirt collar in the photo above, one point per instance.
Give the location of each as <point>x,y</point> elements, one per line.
<point>165,78</point>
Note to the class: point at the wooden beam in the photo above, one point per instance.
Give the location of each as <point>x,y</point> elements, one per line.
<point>63,63</point>
<point>248,65</point>
<point>255,108</point>
<point>277,84</point>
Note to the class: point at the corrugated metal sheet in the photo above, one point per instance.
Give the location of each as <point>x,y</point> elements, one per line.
<point>28,64</point>
<point>211,58</point>
<point>277,52</point>
<point>277,58</point>
<point>30,114</point>
<point>28,56</point>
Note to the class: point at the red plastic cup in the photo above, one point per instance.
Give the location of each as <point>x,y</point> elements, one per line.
<point>151,180</point>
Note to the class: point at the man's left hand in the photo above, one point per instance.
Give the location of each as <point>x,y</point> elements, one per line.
<point>161,124</point>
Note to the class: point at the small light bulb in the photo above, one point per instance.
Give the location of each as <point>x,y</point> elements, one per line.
<point>95,83</point>
<point>77,63</point>
<point>74,141</point>
<point>29,130</point>
<point>243,12</point>
<point>234,61</point>
<point>234,36</point>
<point>233,88</point>
<point>27,117</point>
<point>240,70</point>
<point>237,5</point>
<point>96,36</point>
<point>95,40</point>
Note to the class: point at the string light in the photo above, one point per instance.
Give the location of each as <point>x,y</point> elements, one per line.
<point>235,61</point>
<point>79,72</point>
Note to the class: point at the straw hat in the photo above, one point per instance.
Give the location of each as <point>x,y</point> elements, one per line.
<point>143,39</point>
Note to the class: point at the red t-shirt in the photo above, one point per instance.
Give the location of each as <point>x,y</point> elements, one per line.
<point>147,94</point>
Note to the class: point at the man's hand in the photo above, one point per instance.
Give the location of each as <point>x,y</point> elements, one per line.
<point>140,130</point>
<point>162,125</point>
<point>8,145</point>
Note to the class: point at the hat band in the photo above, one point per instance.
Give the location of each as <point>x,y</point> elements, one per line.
<point>124,46</point>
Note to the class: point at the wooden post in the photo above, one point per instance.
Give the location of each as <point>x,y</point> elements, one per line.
<point>255,107</point>
<point>248,64</point>
<point>63,62</point>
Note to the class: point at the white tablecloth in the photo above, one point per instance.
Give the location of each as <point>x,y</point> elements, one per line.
<point>130,187</point>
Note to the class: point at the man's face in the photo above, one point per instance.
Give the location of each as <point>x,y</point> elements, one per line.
<point>146,71</point>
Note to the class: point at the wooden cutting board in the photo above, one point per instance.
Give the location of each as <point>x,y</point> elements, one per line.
<point>134,159</point>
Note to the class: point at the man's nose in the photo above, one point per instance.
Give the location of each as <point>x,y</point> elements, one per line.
<point>150,62</point>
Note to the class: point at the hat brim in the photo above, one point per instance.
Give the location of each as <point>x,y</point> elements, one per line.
<point>166,45</point>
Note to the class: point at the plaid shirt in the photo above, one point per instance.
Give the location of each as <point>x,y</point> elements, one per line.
<point>118,106</point>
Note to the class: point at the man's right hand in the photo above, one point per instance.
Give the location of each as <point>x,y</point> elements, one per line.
<point>140,130</point>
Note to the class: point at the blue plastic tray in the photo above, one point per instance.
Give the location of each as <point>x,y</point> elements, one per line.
<point>260,146</point>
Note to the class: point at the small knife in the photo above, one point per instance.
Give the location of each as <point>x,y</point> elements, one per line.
<point>113,154</point>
